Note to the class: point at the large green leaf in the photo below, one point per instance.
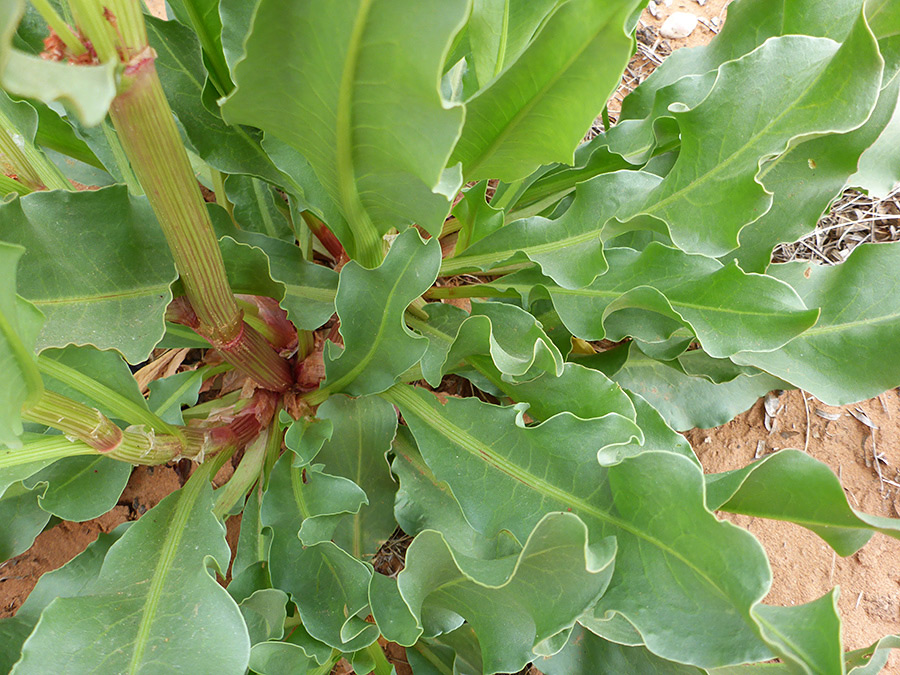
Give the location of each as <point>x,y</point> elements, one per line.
<point>363,431</point>
<point>728,310</point>
<point>20,324</point>
<point>847,356</point>
<point>96,264</point>
<point>825,88</point>
<point>537,110</point>
<point>378,347</point>
<point>516,604</point>
<point>687,401</point>
<point>790,485</point>
<point>569,248</point>
<point>89,90</point>
<point>512,337</point>
<point>155,598</point>
<point>370,120</point>
<point>507,477</point>
<point>329,586</point>
<point>68,581</point>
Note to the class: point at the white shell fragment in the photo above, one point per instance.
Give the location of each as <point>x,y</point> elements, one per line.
<point>678,25</point>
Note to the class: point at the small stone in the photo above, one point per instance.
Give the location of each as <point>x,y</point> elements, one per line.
<point>701,2</point>
<point>654,9</point>
<point>679,25</point>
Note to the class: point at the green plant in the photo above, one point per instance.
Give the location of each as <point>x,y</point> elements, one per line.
<point>557,516</point>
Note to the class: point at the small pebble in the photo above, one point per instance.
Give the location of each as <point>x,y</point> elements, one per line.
<point>701,2</point>
<point>678,25</point>
<point>654,9</point>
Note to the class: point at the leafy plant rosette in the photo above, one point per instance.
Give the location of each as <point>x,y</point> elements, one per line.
<point>406,221</point>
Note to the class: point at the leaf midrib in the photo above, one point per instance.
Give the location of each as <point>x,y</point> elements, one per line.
<point>103,297</point>
<point>174,535</point>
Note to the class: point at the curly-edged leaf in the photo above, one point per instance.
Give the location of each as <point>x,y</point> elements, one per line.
<point>23,518</point>
<point>231,149</point>
<point>363,431</point>
<point>860,316</point>
<point>264,613</point>
<point>20,324</point>
<point>728,310</point>
<point>255,208</point>
<point>155,598</point>
<point>499,30</point>
<point>87,89</point>
<point>309,289</point>
<point>371,121</point>
<point>247,267</point>
<point>507,477</point>
<point>280,658</point>
<point>476,216</point>
<point>807,177</point>
<point>378,347</point>
<point>638,140</point>
<point>81,488</point>
<point>513,338</point>
<point>513,604</point>
<point>807,637</point>
<point>588,654</point>
<point>871,660</point>
<point>499,470</point>
<point>305,438</point>
<point>537,109</point>
<point>715,173</point>
<point>687,401</point>
<point>588,393</point>
<point>68,581</point>
<point>328,585</point>
<point>425,503</point>
<point>790,485</point>
<point>750,23</point>
<point>581,391</point>
<point>118,300</point>
<point>569,248</point>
